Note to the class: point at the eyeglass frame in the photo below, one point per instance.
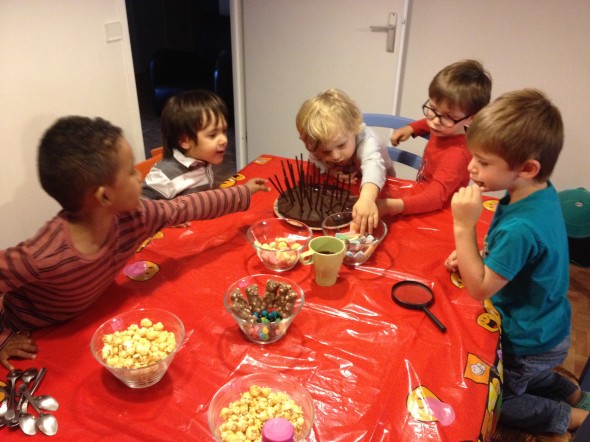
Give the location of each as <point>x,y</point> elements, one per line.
<point>425,109</point>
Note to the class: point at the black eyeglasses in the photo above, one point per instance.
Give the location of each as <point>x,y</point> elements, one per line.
<point>445,120</point>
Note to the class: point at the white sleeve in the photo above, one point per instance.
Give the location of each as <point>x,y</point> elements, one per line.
<point>373,157</point>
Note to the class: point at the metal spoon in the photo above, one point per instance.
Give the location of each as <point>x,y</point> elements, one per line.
<point>46,402</point>
<point>12,377</point>
<point>3,403</point>
<point>28,423</point>
<point>28,375</point>
<point>47,423</point>
<point>3,408</point>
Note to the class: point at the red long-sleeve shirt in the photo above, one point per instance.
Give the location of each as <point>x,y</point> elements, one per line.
<point>442,172</point>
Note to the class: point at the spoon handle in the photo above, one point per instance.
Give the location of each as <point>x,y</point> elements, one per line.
<point>25,391</point>
<point>13,376</point>
<point>37,380</point>
<point>23,402</point>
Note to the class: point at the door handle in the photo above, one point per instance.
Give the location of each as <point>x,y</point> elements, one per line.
<point>390,29</point>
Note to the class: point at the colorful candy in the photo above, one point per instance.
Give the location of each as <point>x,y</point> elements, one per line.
<point>358,247</point>
<point>264,313</point>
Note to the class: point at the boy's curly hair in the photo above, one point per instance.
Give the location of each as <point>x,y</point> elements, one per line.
<point>76,155</point>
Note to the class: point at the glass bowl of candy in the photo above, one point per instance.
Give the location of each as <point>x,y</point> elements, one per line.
<point>279,242</point>
<point>268,394</point>
<point>359,248</point>
<point>138,346</point>
<point>264,306</point>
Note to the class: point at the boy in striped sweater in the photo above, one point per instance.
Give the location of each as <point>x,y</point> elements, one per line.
<point>87,166</point>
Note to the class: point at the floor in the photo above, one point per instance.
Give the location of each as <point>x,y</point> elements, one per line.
<point>579,295</point>
<point>150,124</point>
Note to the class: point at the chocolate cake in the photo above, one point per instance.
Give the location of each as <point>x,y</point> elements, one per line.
<point>308,196</point>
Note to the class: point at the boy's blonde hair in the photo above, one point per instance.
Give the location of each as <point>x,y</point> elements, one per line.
<point>465,85</point>
<point>326,116</point>
<point>519,126</point>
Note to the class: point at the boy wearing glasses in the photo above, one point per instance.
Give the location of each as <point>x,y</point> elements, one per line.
<point>456,94</point>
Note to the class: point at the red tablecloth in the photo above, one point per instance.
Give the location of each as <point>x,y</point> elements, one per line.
<point>369,365</point>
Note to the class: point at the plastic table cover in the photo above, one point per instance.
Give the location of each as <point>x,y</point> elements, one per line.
<point>375,371</point>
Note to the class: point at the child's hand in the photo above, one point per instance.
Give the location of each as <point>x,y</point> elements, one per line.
<point>365,214</point>
<point>451,263</point>
<point>466,206</point>
<point>337,173</point>
<point>257,185</point>
<point>182,226</point>
<point>18,346</point>
<point>401,134</point>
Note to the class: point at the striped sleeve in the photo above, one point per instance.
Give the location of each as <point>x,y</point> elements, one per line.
<point>208,204</point>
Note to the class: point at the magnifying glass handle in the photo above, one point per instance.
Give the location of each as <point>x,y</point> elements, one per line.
<point>435,320</point>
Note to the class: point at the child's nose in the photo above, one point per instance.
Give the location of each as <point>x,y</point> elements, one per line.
<point>335,155</point>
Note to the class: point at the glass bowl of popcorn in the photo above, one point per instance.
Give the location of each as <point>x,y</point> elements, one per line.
<point>138,346</point>
<point>264,306</point>
<point>245,403</point>
<point>359,248</point>
<point>278,242</point>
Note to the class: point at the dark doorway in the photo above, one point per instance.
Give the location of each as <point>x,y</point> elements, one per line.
<point>189,43</point>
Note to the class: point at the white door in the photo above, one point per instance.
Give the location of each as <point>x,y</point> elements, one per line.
<point>294,49</point>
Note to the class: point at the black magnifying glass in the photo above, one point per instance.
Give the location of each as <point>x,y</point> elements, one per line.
<point>416,296</point>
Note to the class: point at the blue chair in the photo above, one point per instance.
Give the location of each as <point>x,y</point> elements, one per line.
<point>395,122</point>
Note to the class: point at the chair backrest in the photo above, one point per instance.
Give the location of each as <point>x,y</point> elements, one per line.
<point>157,151</point>
<point>144,167</point>
<point>395,122</point>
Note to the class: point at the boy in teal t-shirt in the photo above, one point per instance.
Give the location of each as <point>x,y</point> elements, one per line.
<point>524,264</point>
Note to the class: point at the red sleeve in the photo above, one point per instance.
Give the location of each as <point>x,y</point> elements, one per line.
<point>448,172</point>
<point>420,127</point>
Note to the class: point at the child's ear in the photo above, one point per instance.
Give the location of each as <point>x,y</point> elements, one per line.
<point>467,122</point>
<point>530,169</point>
<point>102,196</point>
<point>184,142</point>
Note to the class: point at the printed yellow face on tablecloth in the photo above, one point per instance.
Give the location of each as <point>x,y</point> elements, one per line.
<point>423,405</point>
<point>491,319</point>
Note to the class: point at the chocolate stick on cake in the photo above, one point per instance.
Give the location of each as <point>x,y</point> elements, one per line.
<point>308,198</point>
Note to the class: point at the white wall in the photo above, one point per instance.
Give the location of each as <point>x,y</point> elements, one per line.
<point>524,43</point>
<point>55,61</point>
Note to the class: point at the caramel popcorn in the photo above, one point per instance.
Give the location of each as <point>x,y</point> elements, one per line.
<point>139,345</point>
<point>243,419</point>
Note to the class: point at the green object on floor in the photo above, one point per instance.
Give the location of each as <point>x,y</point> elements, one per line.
<point>584,402</point>
<point>575,204</point>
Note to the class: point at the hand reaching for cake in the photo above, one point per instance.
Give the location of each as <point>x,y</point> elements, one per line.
<point>343,175</point>
<point>257,185</point>
<point>365,214</point>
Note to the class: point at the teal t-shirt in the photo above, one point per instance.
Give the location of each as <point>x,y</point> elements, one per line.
<point>527,244</point>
